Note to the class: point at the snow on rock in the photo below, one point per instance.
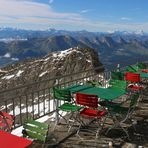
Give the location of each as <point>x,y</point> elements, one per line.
<point>3,71</point>
<point>54,64</point>
<point>8,77</point>
<point>19,73</point>
<point>88,61</point>
<point>60,54</point>
<point>63,53</point>
<point>43,73</point>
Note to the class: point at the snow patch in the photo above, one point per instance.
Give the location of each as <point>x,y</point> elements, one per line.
<point>15,59</point>
<point>89,61</point>
<point>19,73</point>
<point>7,55</point>
<point>35,107</point>
<point>3,71</point>
<point>13,75</point>
<point>65,52</point>
<point>54,55</point>
<point>18,131</point>
<point>46,59</point>
<point>8,77</point>
<point>62,54</point>
<point>43,73</point>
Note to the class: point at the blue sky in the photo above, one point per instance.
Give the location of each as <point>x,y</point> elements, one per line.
<point>91,15</point>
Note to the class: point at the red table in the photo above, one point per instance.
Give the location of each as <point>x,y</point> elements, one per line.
<point>7,140</point>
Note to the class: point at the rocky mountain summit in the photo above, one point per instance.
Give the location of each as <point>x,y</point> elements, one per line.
<point>54,64</point>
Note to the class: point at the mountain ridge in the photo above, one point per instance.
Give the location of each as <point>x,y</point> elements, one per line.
<point>55,64</point>
<point>112,47</point>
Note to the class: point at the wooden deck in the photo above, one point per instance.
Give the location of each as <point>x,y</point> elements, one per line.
<point>60,138</point>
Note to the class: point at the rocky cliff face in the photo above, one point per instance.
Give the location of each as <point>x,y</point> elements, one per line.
<point>54,64</point>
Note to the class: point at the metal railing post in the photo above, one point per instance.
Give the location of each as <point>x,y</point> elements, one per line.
<point>31,95</point>
<point>57,105</point>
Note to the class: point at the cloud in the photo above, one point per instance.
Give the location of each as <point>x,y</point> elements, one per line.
<point>28,14</point>
<point>105,26</point>
<point>22,8</point>
<point>85,10</point>
<point>27,8</point>
<point>51,1</point>
<point>125,18</point>
<point>25,12</point>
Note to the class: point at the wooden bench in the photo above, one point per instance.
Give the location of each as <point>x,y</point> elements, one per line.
<point>35,130</point>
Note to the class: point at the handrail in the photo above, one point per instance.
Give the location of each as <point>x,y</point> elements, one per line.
<point>58,77</point>
<point>30,99</point>
<point>36,99</point>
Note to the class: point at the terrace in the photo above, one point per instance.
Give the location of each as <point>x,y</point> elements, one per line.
<point>36,101</point>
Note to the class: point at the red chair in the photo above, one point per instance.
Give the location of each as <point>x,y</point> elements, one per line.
<point>145,70</point>
<point>134,81</point>
<point>132,77</point>
<point>90,110</point>
<point>6,121</point>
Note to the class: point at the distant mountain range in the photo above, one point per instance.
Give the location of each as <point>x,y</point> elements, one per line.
<point>113,48</point>
<point>11,33</point>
